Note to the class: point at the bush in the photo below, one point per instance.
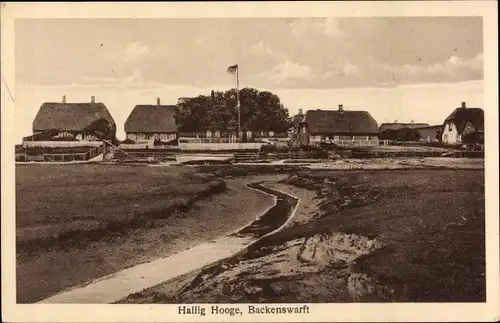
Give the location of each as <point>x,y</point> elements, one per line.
<point>128,142</point>
<point>403,134</point>
<point>472,138</point>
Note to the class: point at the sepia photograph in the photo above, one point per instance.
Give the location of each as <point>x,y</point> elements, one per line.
<point>236,167</point>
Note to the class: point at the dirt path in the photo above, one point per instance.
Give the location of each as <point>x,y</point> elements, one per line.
<point>119,285</point>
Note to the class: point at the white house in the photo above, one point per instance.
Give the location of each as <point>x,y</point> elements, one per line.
<point>461,122</point>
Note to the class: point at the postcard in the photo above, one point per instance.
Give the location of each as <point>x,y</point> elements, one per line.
<point>250,162</point>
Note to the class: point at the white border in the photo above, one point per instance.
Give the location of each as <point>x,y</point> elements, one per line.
<point>457,312</point>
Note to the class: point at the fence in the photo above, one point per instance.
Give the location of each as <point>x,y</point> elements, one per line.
<point>147,146</point>
<point>374,142</point>
<point>61,144</point>
<point>61,157</point>
<point>220,146</point>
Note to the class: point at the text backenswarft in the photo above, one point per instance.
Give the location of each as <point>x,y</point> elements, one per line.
<point>232,311</point>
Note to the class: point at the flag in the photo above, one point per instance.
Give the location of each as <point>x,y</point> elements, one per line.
<point>232,69</point>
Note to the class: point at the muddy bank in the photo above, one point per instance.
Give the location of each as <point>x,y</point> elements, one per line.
<point>273,218</point>
<point>312,268</point>
<point>368,236</point>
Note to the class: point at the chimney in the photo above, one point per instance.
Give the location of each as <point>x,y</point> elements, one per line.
<point>301,112</point>
<point>341,107</point>
<point>157,101</point>
<point>413,121</point>
<point>92,99</point>
<point>64,99</point>
<point>463,105</point>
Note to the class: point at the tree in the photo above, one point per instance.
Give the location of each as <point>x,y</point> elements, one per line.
<point>260,111</point>
<point>472,137</point>
<point>439,133</point>
<point>102,129</point>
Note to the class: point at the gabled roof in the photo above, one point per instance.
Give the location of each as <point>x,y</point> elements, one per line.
<point>152,118</point>
<point>463,115</point>
<point>400,125</point>
<point>70,116</point>
<point>335,121</point>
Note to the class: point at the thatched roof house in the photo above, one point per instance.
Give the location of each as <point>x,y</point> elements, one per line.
<point>461,116</point>
<point>461,121</point>
<point>74,119</point>
<point>152,121</point>
<point>400,125</point>
<point>339,124</point>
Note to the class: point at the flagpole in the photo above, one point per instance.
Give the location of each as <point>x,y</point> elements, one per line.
<point>238,100</point>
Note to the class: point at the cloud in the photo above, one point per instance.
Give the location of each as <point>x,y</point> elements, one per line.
<point>454,64</point>
<point>290,71</point>
<point>136,51</point>
<point>132,52</point>
<point>454,67</point>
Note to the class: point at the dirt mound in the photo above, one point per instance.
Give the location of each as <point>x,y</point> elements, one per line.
<point>266,274</point>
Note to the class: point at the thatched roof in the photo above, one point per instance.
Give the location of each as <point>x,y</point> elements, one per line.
<point>70,116</point>
<point>400,125</point>
<point>463,115</point>
<point>341,122</point>
<point>152,118</point>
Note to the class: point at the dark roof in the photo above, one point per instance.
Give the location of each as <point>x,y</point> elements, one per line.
<point>400,125</point>
<point>463,115</point>
<point>70,116</point>
<point>334,121</point>
<point>152,118</point>
<point>430,127</point>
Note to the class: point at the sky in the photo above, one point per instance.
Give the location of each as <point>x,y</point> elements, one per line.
<point>399,68</point>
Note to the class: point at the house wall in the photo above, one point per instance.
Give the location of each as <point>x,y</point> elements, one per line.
<point>70,135</point>
<point>135,136</point>
<point>450,134</point>
<point>83,136</point>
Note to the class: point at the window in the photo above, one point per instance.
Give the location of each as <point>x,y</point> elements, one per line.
<point>449,126</point>
<point>445,138</point>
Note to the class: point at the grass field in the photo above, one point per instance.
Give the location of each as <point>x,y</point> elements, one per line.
<point>75,223</point>
<point>431,223</point>
<point>57,201</point>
